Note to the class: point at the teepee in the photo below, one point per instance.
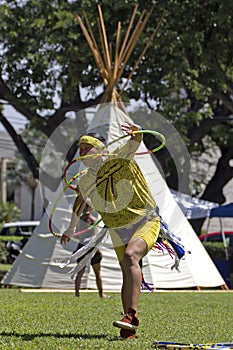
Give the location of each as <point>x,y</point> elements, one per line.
<point>36,266</point>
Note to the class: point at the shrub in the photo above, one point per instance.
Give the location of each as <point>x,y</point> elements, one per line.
<point>9,212</point>
<point>216,250</point>
<point>3,252</point>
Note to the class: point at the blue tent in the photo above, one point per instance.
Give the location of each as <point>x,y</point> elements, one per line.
<point>223,211</point>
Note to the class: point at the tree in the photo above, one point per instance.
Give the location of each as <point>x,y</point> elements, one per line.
<point>200,63</point>
<point>46,63</point>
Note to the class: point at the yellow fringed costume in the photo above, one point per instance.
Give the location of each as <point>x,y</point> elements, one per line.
<point>119,193</point>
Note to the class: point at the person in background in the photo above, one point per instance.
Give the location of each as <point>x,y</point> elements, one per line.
<point>90,219</point>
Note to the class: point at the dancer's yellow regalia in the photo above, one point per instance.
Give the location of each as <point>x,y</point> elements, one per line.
<point>119,192</point>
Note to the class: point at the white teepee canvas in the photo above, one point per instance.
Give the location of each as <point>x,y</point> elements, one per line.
<point>37,265</point>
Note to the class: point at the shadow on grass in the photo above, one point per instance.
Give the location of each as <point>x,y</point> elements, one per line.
<point>28,337</point>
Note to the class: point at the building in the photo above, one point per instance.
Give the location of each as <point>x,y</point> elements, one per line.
<point>24,195</point>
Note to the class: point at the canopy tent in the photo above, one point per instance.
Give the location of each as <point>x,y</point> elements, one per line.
<point>194,208</point>
<point>222,211</point>
<point>37,265</point>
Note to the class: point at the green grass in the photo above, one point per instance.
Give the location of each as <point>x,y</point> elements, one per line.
<point>61,321</point>
<point>10,238</point>
<point>5,267</point>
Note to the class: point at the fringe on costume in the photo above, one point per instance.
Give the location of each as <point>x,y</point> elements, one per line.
<point>168,242</point>
<point>146,286</point>
<point>84,254</point>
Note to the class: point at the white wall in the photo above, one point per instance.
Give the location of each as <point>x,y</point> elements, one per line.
<point>23,199</point>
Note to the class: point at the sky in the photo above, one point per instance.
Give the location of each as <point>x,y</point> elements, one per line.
<point>15,118</point>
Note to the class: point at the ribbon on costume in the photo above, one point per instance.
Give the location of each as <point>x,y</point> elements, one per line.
<point>84,254</point>
<point>176,249</point>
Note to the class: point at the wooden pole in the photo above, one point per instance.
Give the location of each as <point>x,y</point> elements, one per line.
<point>112,74</point>
<point>105,41</point>
<point>93,46</point>
<point>128,32</point>
<point>149,41</point>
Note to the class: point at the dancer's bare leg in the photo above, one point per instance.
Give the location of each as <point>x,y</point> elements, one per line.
<point>132,273</point>
<point>77,282</point>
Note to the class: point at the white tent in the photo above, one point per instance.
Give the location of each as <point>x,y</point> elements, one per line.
<point>194,208</point>
<point>36,266</point>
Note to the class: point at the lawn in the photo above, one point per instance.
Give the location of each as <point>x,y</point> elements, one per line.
<point>4,268</point>
<point>61,321</point>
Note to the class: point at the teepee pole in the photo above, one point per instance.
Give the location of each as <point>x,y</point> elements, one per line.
<point>104,40</point>
<point>111,67</point>
<point>128,32</point>
<point>93,46</point>
<point>137,33</point>
<point>133,41</point>
<point>149,41</point>
<point>116,59</point>
<point>93,39</point>
<point>134,36</point>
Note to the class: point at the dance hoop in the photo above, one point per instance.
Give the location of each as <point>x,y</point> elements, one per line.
<point>152,132</point>
<point>156,149</point>
<point>82,171</point>
<point>88,228</point>
<point>57,235</point>
<point>69,183</point>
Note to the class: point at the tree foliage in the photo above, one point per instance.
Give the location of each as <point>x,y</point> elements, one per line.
<point>187,72</point>
<point>8,212</point>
